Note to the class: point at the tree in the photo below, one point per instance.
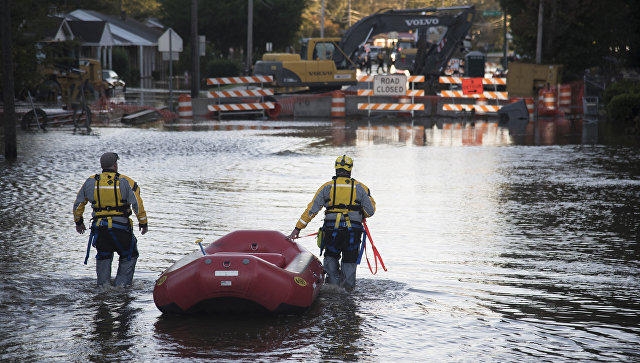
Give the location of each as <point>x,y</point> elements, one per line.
<point>9,114</point>
<point>578,33</point>
<point>137,9</point>
<point>29,24</point>
<point>224,23</point>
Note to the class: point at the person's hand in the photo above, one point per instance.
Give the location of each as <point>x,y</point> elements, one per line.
<point>143,228</point>
<point>80,228</point>
<point>293,235</point>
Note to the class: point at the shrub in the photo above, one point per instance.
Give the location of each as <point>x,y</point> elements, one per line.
<point>623,108</point>
<point>222,68</point>
<point>619,88</point>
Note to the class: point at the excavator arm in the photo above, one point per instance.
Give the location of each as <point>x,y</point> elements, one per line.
<point>432,57</point>
<point>453,23</point>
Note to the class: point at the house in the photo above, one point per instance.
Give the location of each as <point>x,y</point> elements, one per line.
<point>137,39</point>
<point>98,34</point>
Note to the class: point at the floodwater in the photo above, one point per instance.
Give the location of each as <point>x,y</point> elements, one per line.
<point>495,251</point>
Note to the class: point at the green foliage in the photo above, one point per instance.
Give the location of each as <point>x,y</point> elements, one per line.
<point>137,9</point>
<point>578,33</point>
<point>24,37</point>
<point>624,108</point>
<point>224,23</point>
<point>222,68</point>
<point>619,88</point>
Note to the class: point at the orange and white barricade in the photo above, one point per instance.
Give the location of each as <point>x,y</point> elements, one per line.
<point>405,102</point>
<point>338,104</point>
<point>243,100</point>
<point>185,109</point>
<point>483,99</point>
<point>564,98</point>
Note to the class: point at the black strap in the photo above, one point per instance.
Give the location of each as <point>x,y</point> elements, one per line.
<point>97,178</point>
<point>333,200</point>
<point>115,188</point>
<point>353,185</point>
<point>122,208</point>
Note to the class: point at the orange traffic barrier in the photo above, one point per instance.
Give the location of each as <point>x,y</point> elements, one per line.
<point>338,104</point>
<point>185,109</point>
<point>564,98</point>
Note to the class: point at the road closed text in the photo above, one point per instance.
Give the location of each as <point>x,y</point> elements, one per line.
<point>390,85</point>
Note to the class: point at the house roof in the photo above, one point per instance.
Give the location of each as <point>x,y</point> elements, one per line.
<point>124,32</point>
<point>58,30</point>
<point>91,32</point>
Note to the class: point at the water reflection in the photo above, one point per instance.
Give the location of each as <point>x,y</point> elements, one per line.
<point>329,329</point>
<point>417,132</point>
<point>340,336</point>
<point>112,325</point>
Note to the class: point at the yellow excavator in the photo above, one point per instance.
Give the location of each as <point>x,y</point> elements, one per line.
<point>330,63</point>
<point>313,69</point>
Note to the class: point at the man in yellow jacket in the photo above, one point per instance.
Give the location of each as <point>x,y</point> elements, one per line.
<point>346,202</point>
<point>113,197</point>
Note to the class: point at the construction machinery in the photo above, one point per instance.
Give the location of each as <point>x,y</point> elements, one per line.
<point>70,86</point>
<point>313,69</point>
<point>331,63</point>
<point>73,84</point>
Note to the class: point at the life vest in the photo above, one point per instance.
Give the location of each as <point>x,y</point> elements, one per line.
<point>107,199</point>
<point>343,196</point>
<point>342,201</point>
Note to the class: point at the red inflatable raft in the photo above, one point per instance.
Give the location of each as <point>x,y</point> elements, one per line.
<point>244,271</point>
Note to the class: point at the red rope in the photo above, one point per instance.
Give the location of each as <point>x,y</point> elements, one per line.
<point>376,254</point>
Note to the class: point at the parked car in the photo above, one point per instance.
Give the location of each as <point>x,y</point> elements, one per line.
<point>112,78</point>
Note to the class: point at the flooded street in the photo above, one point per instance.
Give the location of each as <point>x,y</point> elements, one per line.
<point>495,251</point>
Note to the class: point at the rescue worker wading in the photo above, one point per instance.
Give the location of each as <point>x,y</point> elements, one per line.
<point>113,197</point>
<point>347,202</point>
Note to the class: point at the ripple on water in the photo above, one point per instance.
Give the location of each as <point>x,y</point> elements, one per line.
<point>493,253</point>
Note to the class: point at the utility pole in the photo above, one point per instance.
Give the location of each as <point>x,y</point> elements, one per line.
<point>322,20</point>
<point>10,143</point>
<point>539,39</point>
<point>195,51</point>
<point>171,70</point>
<point>249,37</point>
<point>505,61</point>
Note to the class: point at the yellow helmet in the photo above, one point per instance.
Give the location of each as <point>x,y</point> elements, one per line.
<point>344,162</point>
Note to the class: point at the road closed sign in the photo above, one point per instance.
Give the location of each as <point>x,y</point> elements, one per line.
<point>390,85</point>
